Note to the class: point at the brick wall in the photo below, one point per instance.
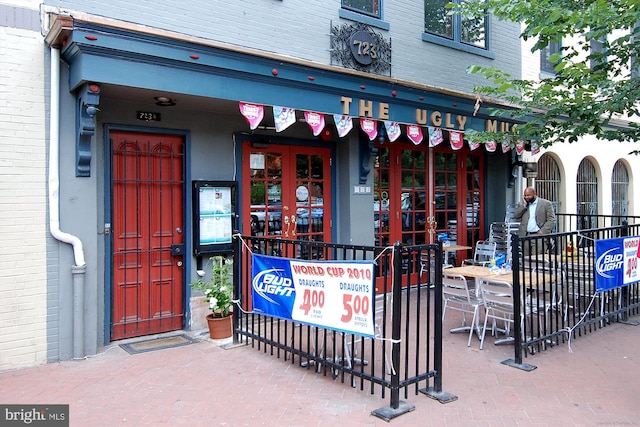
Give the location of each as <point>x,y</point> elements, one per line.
<point>23,189</point>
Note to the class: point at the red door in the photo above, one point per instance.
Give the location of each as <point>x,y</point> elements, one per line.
<point>147,221</point>
<point>287,192</point>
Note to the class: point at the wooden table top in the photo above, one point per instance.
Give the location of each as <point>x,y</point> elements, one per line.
<point>451,248</point>
<point>531,278</point>
<point>476,271</point>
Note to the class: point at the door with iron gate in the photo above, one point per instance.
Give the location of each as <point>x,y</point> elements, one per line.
<point>147,232</point>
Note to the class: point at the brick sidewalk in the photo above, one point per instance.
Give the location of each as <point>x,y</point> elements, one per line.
<point>202,384</point>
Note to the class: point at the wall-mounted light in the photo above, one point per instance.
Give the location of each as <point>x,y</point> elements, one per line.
<point>163,101</point>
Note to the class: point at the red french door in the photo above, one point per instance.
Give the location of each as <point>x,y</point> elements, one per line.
<point>421,192</point>
<point>287,192</point>
<point>459,195</point>
<point>147,228</point>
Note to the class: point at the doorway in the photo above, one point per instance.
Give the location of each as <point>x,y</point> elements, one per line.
<point>147,232</point>
<point>287,192</point>
<point>421,194</point>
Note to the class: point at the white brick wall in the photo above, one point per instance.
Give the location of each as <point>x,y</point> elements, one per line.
<point>603,155</point>
<point>23,196</point>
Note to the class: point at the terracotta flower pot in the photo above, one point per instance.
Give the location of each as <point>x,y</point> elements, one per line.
<point>220,327</point>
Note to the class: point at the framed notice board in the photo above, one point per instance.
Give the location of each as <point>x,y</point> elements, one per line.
<point>214,216</point>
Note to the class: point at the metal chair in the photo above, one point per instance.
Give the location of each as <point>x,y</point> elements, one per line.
<point>497,298</point>
<point>427,265</point>
<point>483,253</point>
<point>457,295</point>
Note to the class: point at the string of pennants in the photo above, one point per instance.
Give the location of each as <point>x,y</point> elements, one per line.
<point>284,117</point>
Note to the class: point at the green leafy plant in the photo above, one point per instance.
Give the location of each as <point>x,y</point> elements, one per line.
<point>218,289</point>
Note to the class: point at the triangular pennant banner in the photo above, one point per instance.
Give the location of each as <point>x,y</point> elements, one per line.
<point>283,117</point>
<point>344,124</point>
<point>414,133</point>
<point>535,149</point>
<point>370,127</point>
<point>473,145</point>
<point>315,121</point>
<point>506,146</point>
<point>456,140</point>
<point>435,136</point>
<point>393,130</point>
<point>520,146</point>
<point>252,113</point>
<point>490,146</point>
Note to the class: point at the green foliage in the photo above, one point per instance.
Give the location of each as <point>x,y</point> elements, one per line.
<point>218,289</point>
<point>592,92</point>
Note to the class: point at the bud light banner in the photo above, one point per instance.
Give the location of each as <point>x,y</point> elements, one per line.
<point>336,295</point>
<point>617,262</point>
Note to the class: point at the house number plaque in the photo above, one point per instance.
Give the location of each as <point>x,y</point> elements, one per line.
<point>363,47</point>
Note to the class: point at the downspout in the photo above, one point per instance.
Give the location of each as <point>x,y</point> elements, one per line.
<point>79,268</point>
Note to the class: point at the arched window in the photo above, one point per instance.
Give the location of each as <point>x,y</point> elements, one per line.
<point>548,180</point>
<point>619,191</point>
<point>587,195</point>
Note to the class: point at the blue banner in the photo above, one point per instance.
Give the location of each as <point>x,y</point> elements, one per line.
<point>616,262</point>
<point>337,295</point>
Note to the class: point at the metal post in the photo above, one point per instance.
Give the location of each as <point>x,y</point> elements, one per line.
<point>624,291</point>
<point>436,392</point>
<point>237,275</point>
<point>437,334</point>
<point>396,406</point>
<point>516,362</point>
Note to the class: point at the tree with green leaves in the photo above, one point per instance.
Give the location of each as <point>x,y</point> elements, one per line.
<point>592,91</point>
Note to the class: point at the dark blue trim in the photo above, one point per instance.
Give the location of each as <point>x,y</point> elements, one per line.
<point>87,103</point>
<point>139,60</point>
<point>365,19</point>
<point>442,41</point>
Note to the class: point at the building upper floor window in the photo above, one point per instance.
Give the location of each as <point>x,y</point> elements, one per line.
<point>546,64</point>
<point>367,7</point>
<point>598,56</point>
<point>458,28</point>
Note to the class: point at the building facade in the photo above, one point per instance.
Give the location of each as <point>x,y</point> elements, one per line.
<point>148,130</point>
<point>589,177</point>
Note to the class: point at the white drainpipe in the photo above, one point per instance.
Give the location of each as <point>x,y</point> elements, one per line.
<point>78,270</point>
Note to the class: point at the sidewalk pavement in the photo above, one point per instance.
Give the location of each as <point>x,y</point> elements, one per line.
<point>204,384</point>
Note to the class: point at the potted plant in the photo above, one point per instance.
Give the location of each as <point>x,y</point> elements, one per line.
<point>218,293</point>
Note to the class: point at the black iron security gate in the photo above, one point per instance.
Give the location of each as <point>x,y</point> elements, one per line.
<point>406,353</point>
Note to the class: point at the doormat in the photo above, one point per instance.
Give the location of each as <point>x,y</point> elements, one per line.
<point>157,344</point>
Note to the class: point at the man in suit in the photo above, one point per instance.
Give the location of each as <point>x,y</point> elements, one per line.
<point>536,217</point>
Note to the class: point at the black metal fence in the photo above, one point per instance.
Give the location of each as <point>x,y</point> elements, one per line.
<point>554,288</point>
<point>572,222</point>
<point>406,354</point>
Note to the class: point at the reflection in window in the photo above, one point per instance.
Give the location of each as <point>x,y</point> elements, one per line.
<point>464,29</point>
<point>598,54</point>
<point>368,7</point>
<point>545,64</point>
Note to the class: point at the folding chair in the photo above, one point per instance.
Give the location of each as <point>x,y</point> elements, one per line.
<point>457,296</point>
<point>497,298</point>
<point>483,253</point>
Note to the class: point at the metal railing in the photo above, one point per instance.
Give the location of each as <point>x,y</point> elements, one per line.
<point>406,353</point>
<point>572,222</point>
<point>554,286</point>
